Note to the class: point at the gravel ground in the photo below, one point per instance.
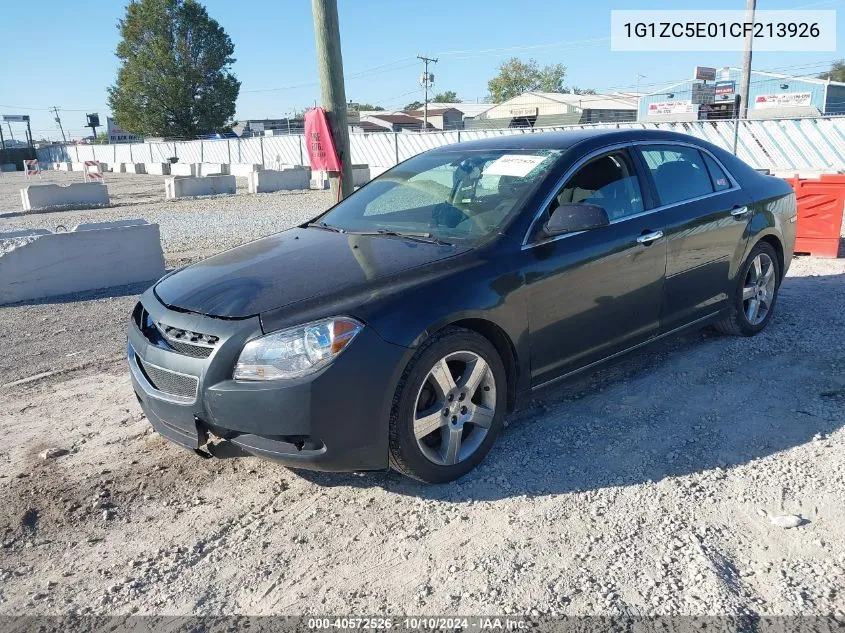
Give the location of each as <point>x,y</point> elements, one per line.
<point>657,485</point>
<point>190,229</point>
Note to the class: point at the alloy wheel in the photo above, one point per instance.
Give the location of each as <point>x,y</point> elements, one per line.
<point>758,291</point>
<point>455,408</point>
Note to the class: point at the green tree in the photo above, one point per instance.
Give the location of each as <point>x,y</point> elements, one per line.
<point>369,106</point>
<point>102,139</point>
<point>836,72</point>
<point>175,77</point>
<point>414,105</point>
<point>447,96</point>
<point>579,91</point>
<point>516,76</point>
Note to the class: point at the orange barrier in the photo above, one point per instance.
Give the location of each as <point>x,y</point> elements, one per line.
<point>820,206</point>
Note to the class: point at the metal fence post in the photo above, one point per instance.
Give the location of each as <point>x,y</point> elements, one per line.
<point>240,159</point>
<point>396,146</point>
<point>201,152</point>
<point>131,160</point>
<point>459,136</point>
<point>301,157</point>
<point>151,152</point>
<point>114,148</point>
<point>261,143</point>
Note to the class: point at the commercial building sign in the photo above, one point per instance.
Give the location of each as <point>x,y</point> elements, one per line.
<point>705,73</point>
<point>662,108</point>
<point>725,87</point>
<point>117,134</point>
<point>20,118</point>
<point>783,100</point>
<point>521,112</point>
<point>703,93</point>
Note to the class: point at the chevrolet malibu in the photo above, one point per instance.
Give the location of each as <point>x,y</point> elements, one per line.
<point>397,329</point>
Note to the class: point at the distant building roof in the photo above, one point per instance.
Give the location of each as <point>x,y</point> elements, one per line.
<point>469,109</point>
<point>590,101</point>
<point>432,111</point>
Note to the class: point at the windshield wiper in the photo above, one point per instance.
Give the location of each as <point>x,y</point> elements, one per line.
<point>326,227</point>
<point>416,236</point>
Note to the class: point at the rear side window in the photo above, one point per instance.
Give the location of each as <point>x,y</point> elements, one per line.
<point>717,174</point>
<point>679,172</point>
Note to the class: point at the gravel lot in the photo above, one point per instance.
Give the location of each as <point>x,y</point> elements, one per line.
<point>190,229</point>
<point>653,486</point>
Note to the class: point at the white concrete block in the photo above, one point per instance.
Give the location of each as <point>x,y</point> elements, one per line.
<point>243,170</point>
<point>158,169</point>
<point>188,187</point>
<point>271,180</point>
<point>63,166</point>
<point>77,194</point>
<point>77,166</point>
<point>212,169</point>
<point>135,168</point>
<point>8,167</point>
<point>183,169</point>
<point>360,176</point>
<point>37,264</point>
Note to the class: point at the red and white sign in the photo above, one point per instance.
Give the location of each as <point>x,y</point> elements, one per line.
<point>318,139</point>
<point>662,108</point>
<point>31,168</point>
<point>92,171</point>
<point>783,100</point>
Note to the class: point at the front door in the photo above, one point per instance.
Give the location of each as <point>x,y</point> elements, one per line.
<point>594,293</point>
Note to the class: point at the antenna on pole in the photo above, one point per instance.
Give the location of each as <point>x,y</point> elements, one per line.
<point>426,79</point>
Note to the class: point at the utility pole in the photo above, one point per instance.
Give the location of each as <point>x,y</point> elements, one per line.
<point>58,120</point>
<point>427,80</point>
<point>745,85</point>
<point>332,90</point>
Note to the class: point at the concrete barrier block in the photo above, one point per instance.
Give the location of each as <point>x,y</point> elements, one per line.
<point>360,176</point>
<point>135,168</point>
<point>189,187</point>
<point>8,167</point>
<point>63,166</point>
<point>158,169</point>
<point>77,194</point>
<point>183,169</point>
<point>212,169</point>
<point>243,170</point>
<point>38,264</point>
<point>77,166</point>
<point>271,180</point>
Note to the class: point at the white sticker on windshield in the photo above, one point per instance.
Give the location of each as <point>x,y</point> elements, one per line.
<point>513,165</point>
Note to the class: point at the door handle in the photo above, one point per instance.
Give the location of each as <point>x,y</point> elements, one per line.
<point>648,238</point>
<point>739,212</point>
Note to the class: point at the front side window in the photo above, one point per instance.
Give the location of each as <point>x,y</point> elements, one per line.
<point>679,172</point>
<point>608,181</point>
<point>449,195</point>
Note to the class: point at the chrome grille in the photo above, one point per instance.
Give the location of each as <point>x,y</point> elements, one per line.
<point>167,381</point>
<point>194,344</point>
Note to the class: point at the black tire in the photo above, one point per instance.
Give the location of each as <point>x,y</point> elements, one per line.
<point>406,456</point>
<point>737,323</point>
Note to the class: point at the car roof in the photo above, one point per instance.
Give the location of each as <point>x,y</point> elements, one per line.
<point>566,139</point>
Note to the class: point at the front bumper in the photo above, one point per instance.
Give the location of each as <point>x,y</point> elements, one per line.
<point>334,420</point>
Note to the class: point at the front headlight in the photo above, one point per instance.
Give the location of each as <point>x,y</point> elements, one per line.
<point>296,351</point>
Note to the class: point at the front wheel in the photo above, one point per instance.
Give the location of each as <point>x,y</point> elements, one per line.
<point>754,300</point>
<point>449,407</point>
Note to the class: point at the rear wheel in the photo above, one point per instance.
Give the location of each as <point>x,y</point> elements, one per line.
<point>448,408</point>
<point>754,300</point>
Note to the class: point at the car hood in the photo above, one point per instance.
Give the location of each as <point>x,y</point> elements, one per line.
<point>292,266</point>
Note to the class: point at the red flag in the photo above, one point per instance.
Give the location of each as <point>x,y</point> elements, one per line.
<point>318,137</point>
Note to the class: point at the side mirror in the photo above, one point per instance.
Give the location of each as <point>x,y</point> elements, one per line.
<point>569,218</point>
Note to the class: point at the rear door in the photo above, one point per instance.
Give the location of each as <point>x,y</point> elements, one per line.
<point>705,217</point>
<point>594,293</point>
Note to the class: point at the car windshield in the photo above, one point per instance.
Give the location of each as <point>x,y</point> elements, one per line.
<point>448,196</point>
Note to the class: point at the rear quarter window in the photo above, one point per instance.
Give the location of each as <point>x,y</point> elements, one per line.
<point>717,174</point>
